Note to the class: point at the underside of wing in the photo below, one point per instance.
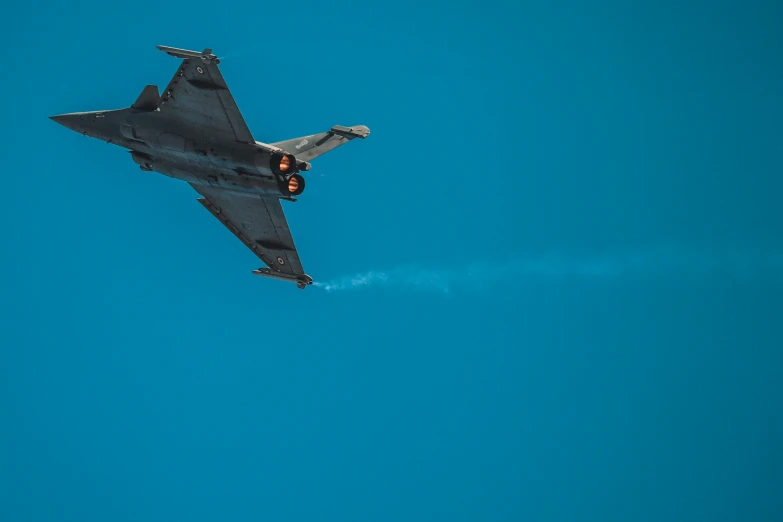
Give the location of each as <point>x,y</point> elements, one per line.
<point>198,94</point>
<point>259,222</point>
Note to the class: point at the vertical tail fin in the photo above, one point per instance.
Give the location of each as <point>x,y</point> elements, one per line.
<point>309,147</point>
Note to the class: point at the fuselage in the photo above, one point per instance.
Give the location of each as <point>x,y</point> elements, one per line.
<point>198,155</point>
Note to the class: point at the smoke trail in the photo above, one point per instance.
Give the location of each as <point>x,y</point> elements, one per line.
<point>662,263</point>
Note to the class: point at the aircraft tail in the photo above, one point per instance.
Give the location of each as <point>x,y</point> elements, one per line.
<point>309,147</point>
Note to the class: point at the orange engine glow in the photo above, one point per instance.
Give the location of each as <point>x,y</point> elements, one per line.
<point>285,164</point>
<point>293,184</point>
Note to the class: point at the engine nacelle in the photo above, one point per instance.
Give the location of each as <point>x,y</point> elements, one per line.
<point>276,161</point>
<point>282,164</point>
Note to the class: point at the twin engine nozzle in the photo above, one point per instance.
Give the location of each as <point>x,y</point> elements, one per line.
<point>286,168</point>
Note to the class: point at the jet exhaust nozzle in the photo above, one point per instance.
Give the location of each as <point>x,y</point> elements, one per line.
<point>295,185</point>
<point>283,164</point>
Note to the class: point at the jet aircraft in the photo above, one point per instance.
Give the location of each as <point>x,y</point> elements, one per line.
<point>195,132</point>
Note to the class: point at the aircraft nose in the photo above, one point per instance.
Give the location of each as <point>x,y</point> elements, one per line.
<point>67,120</point>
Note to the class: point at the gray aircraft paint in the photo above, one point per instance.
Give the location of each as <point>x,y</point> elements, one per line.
<point>193,131</point>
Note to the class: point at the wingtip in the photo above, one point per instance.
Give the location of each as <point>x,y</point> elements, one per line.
<point>302,280</point>
<point>356,131</point>
<point>206,55</point>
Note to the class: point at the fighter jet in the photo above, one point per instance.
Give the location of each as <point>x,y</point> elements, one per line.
<point>195,132</point>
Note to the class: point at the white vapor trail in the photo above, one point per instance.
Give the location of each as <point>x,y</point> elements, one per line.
<point>659,263</point>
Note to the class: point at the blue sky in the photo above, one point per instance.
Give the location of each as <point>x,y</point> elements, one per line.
<point>555,269</point>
